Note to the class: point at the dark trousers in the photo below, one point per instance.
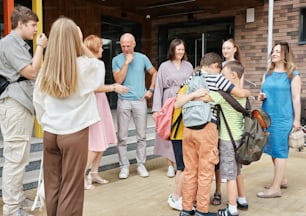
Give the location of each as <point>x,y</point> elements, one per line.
<point>65,158</point>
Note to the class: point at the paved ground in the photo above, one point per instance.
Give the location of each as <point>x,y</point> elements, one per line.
<point>148,196</point>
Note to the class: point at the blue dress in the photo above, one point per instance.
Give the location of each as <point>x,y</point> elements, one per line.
<point>278,104</point>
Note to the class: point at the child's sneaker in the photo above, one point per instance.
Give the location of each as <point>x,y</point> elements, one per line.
<point>198,213</point>
<point>175,204</point>
<point>186,213</point>
<point>170,172</point>
<point>226,212</point>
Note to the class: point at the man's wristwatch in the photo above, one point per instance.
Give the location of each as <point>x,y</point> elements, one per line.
<point>151,90</point>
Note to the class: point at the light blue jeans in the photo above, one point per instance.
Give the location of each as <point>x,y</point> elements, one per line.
<point>16,127</point>
<point>138,111</point>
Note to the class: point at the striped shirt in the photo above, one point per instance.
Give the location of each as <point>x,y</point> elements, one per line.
<point>215,82</point>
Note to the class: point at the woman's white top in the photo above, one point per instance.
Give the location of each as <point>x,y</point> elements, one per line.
<point>74,113</point>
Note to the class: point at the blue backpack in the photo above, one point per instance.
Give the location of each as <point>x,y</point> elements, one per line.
<point>196,113</point>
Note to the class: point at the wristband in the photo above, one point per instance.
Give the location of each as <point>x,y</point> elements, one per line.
<point>151,90</point>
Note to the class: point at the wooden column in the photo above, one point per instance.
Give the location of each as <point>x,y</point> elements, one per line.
<point>8,7</point>
<point>37,8</point>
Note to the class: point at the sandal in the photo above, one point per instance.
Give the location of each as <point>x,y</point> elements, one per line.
<point>217,199</point>
<point>87,185</point>
<point>98,179</point>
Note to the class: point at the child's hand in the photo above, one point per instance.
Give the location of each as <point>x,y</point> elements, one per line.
<point>200,93</point>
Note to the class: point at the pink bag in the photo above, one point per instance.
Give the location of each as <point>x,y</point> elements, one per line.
<point>163,119</point>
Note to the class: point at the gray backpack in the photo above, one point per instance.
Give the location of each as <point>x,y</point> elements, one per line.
<point>196,113</point>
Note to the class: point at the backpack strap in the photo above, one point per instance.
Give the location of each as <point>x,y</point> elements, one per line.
<point>228,128</point>
<point>176,124</point>
<point>235,104</point>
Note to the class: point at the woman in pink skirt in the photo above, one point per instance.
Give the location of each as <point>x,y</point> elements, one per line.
<point>102,133</point>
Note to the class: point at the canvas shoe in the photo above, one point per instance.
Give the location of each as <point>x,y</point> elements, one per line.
<point>142,171</point>
<point>186,213</point>
<point>175,204</point>
<point>226,212</point>
<point>170,172</point>
<point>197,213</point>
<point>124,173</point>
<point>28,203</point>
<point>22,212</point>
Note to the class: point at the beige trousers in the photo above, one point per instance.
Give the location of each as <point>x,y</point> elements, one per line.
<point>16,127</point>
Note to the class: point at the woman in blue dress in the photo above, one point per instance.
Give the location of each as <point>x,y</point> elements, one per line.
<point>280,93</point>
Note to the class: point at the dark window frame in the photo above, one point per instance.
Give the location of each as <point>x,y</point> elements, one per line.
<point>302,26</point>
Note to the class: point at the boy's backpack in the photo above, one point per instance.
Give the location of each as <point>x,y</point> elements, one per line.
<point>196,113</point>
<point>163,119</point>
<point>254,137</point>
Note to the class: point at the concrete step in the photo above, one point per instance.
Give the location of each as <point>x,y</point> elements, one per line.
<point>109,160</point>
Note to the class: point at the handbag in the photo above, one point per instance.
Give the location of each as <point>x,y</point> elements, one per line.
<point>296,138</point>
<point>3,84</point>
<point>163,119</point>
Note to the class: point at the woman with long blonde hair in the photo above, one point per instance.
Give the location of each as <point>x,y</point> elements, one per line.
<point>66,106</point>
<point>281,99</point>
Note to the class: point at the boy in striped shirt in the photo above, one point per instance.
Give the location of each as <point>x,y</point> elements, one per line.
<point>200,145</point>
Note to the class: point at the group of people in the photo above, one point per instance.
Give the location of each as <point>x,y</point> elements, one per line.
<point>69,101</point>
<point>207,150</point>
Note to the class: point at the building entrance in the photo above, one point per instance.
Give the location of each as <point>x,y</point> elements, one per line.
<point>200,36</point>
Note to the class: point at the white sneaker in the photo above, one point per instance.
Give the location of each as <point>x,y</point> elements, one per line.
<point>171,172</point>
<point>175,204</point>
<point>124,173</point>
<point>142,171</point>
<point>22,212</point>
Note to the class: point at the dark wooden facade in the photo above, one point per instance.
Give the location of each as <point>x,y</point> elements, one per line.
<point>251,37</point>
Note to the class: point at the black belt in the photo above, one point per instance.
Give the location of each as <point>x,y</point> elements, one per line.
<point>214,121</point>
<point>21,78</point>
<point>198,127</point>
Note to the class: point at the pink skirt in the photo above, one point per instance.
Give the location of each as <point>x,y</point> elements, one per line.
<point>102,133</point>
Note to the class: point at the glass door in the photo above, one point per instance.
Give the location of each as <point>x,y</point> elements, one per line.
<point>200,37</point>
<point>199,49</point>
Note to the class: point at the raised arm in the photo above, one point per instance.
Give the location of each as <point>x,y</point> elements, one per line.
<point>31,71</point>
<point>182,99</point>
<point>240,92</point>
<point>120,75</point>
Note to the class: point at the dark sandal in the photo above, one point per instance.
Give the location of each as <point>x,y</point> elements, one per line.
<point>217,199</point>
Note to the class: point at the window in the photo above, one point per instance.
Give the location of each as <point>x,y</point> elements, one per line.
<point>302,33</point>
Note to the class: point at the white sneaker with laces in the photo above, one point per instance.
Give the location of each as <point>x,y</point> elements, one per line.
<point>142,171</point>
<point>170,172</point>
<point>175,204</point>
<point>124,173</point>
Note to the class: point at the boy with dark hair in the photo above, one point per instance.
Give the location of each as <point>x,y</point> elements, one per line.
<point>200,145</point>
<point>16,108</point>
